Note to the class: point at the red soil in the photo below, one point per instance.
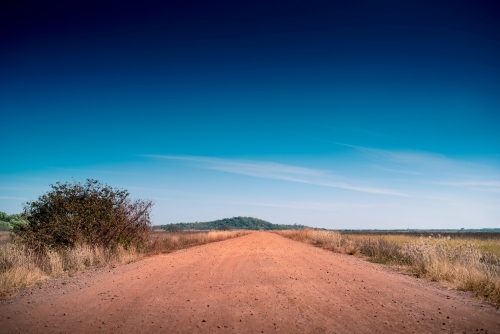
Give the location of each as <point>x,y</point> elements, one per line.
<point>258,283</point>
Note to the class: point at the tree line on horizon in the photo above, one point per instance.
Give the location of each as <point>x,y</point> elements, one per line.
<point>7,221</point>
<point>234,223</point>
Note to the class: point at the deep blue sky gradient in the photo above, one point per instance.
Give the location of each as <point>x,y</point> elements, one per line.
<point>102,89</point>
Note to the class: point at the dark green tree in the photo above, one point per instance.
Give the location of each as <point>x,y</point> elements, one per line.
<point>84,213</point>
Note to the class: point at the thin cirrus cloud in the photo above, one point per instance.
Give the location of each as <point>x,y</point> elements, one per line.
<point>276,171</point>
<point>406,158</point>
<point>14,198</point>
<point>397,170</point>
<point>490,183</point>
<point>487,185</point>
<point>319,205</point>
<point>433,168</point>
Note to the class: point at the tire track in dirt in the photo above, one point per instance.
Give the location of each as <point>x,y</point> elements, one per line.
<point>258,283</point>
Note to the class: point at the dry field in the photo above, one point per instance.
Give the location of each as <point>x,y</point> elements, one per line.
<point>21,268</point>
<point>464,262</point>
<point>257,283</point>
<point>4,237</point>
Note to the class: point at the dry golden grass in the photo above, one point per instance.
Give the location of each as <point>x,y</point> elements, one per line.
<point>4,238</point>
<point>164,242</point>
<point>20,268</point>
<point>468,264</point>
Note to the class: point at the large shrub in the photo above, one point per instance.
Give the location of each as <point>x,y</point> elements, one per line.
<point>84,213</point>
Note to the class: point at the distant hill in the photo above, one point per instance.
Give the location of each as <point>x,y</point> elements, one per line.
<point>235,223</point>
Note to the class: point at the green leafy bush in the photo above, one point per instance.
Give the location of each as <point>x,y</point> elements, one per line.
<point>6,221</point>
<point>84,213</point>
<point>4,226</point>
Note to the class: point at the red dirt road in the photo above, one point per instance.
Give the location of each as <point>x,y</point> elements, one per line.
<point>258,283</point>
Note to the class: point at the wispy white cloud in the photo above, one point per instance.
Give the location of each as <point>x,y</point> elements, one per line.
<point>358,130</point>
<point>404,157</point>
<point>398,170</point>
<point>477,185</point>
<point>18,188</point>
<point>319,205</point>
<point>14,198</point>
<point>95,171</point>
<point>432,168</point>
<point>276,171</point>
<point>491,190</point>
<point>463,183</point>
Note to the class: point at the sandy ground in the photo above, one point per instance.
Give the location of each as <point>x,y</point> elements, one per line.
<point>258,283</point>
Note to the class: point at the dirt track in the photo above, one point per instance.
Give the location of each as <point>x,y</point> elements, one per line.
<point>259,283</point>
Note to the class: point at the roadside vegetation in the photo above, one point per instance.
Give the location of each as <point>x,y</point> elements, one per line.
<point>20,267</point>
<point>467,263</point>
<point>77,226</point>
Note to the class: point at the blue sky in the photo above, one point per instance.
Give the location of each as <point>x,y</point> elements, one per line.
<point>329,114</point>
